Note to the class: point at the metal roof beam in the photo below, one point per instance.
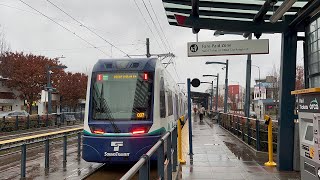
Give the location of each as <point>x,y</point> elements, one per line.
<point>308,10</point>
<point>259,17</point>
<point>229,25</point>
<point>217,13</point>
<point>225,5</point>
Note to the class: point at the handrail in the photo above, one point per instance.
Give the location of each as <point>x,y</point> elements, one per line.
<point>247,128</point>
<point>143,165</point>
<point>46,138</point>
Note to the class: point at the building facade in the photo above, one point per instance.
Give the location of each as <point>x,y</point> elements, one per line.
<point>9,99</point>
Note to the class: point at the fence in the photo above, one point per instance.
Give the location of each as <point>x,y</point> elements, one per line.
<point>42,138</point>
<point>252,131</point>
<point>16,123</point>
<point>143,165</point>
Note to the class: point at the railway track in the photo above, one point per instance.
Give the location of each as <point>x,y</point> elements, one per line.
<point>7,136</point>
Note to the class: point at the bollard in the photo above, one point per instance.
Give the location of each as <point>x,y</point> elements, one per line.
<point>64,150</point>
<point>180,157</point>
<point>270,143</point>
<point>46,154</point>
<point>169,167</point>
<point>23,160</point>
<point>160,160</point>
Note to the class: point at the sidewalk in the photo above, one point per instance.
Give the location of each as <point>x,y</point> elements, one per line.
<point>219,155</point>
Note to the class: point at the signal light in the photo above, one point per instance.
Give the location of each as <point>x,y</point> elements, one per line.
<point>98,131</point>
<point>145,76</point>
<point>99,77</point>
<point>138,131</point>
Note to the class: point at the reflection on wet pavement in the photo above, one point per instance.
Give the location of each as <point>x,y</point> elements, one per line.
<point>218,155</point>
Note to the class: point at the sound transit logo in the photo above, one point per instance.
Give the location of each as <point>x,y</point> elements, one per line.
<point>116,147</point>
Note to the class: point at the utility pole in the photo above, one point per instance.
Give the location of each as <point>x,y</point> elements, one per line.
<point>49,90</point>
<point>148,48</point>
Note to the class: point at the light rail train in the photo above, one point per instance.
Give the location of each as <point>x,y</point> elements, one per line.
<point>130,104</point>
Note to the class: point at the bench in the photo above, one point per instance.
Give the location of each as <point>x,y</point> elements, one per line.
<point>70,118</point>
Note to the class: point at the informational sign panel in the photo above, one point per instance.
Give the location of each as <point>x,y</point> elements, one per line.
<point>309,103</point>
<point>221,48</point>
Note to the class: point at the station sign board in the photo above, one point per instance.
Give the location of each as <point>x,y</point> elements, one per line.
<point>222,48</point>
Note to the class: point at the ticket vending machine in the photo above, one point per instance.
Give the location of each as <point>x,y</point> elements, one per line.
<point>309,130</point>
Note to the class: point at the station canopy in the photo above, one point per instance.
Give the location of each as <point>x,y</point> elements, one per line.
<point>246,16</point>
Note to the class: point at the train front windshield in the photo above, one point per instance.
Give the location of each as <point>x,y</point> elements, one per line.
<point>121,96</point>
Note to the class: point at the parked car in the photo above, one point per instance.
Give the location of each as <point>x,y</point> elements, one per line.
<point>13,114</point>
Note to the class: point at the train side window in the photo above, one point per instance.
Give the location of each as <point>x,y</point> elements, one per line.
<point>162,99</point>
<point>170,103</point>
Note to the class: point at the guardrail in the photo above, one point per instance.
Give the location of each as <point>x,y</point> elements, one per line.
<point>16,123</point>
<point>143,165</point>
<point>23,142</point>
<point>252,131</point>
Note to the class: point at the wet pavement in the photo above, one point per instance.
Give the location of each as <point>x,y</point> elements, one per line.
<point>219,155</point>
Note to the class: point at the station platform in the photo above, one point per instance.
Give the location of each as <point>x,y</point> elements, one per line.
<point>219,155</point>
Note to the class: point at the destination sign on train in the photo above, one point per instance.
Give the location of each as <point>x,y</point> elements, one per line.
<point>222,48</point>
<point>106,77</point>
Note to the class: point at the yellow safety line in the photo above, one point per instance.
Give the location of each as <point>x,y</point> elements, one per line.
<point>38,136</point>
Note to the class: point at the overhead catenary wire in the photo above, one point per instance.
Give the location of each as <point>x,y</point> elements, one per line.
<point>89,29</point>
<point>159,24</point>
<point>64,27</point>
<point>157,30</point>
<point>148,25</point>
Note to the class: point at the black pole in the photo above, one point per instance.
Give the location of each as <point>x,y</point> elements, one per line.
<point>148,47</point>
<point>248,79</point>
<point>217,92</point>
<point>226,90</point>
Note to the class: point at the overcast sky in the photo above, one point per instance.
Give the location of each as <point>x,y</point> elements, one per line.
<point>121,23</point>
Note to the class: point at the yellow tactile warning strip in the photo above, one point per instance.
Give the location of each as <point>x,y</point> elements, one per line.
<point>185,140</point>
<point>38,136</point>
<point>305,91</point>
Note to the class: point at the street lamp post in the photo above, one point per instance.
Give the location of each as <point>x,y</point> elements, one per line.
<point>49,88</point>
<point>259,90</point>
<point>217,89</point>
<point>226,83</point>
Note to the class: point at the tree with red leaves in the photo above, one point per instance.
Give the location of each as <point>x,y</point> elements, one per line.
<point>299,77</point>
<point>26,73</point>
<point>72,88</point>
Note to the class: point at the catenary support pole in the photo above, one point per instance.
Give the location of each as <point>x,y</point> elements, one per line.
<point>189,116</point>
